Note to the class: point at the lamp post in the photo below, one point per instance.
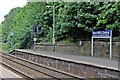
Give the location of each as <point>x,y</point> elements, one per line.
<point>53,38</point>
<point>11,43</point>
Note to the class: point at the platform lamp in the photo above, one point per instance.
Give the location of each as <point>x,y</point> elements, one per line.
<point>53,39</point>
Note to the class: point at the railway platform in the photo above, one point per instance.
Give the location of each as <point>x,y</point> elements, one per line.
<point>77,66</point>
<point>104,63</point>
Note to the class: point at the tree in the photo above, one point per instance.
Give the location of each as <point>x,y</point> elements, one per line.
<point>74,21</point>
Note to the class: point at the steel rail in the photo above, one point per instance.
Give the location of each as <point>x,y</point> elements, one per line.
<point>16,71</point>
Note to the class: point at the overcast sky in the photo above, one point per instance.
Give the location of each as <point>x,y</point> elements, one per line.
<point>7,5</point>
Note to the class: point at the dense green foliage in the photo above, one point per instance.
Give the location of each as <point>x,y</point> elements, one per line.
<point>73,21</point>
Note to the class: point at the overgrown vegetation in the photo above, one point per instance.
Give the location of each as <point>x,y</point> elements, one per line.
<point>73,21</point>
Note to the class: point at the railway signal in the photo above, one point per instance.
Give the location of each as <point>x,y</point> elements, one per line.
<point>35,29</point>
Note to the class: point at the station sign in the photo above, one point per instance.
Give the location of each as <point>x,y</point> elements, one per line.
<point>104,33</point>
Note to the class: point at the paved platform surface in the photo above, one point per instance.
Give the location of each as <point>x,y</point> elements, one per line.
<point>105,63</point>
<point>5,73</point>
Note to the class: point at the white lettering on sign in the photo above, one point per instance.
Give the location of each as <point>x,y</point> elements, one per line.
<point>105,33</point>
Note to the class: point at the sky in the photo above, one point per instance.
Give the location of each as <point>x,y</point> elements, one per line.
<point>7,5</point>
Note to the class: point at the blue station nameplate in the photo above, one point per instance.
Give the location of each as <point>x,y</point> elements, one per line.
<point>104,33</point>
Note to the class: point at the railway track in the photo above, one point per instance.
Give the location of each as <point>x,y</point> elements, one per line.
<point>24,76</point>
<point>32,70</point>
<point>24,71</point>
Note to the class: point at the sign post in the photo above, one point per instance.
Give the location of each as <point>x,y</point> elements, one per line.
<point>102,34</point>
<point>111,46</point>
